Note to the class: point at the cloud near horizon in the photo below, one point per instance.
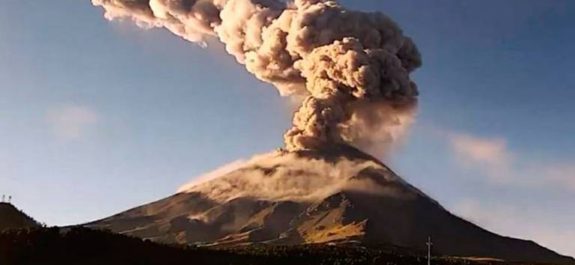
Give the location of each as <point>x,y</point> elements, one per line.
<point>502,166</point>
<point>71,122</point>
<point>519,222</point>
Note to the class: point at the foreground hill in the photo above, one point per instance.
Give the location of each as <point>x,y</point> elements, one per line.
<point>295,198</point>
<point>12,218</point>
<point>80,246</point>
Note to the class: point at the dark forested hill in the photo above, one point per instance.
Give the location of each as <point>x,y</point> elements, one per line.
<point>82,246</point>
<point>12,218</point>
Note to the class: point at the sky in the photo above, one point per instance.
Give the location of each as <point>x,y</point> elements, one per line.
<point>97,117</point>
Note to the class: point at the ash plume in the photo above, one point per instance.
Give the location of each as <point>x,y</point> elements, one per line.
<point>285,176</point>
<point>351,68</point>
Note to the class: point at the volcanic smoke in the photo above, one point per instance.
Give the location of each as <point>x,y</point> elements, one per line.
<point>352,68</point>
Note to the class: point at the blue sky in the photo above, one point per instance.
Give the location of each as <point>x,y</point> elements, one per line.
<point>97,116</point>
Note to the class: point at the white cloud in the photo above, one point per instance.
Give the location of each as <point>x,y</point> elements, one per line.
<point>520,223</point>
<point>72,122</point>
<point>500,165</point>
<point>489,151</point>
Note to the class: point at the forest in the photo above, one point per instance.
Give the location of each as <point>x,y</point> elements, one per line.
<point>83,246</point>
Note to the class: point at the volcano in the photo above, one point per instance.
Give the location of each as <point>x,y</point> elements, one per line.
<point>334,196</point>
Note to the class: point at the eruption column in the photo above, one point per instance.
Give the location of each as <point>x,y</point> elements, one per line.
<point>351,68</point>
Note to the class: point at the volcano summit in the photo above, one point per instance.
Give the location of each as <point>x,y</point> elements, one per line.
<point>338,195</point>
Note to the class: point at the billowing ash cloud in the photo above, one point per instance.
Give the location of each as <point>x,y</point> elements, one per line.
<point>352,68</point>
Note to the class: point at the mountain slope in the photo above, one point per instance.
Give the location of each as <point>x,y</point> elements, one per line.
<point>12,218</point>
<point>290,198</point>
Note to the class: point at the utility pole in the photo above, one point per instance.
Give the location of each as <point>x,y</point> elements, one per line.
<point>429,244</point>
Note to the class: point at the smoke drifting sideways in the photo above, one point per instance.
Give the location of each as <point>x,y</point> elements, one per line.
<point>289,176</point>
<point>351,68</point>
